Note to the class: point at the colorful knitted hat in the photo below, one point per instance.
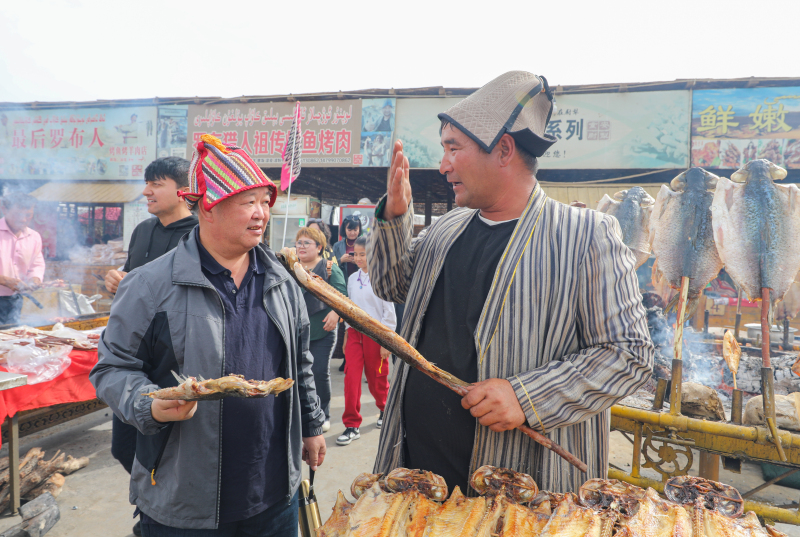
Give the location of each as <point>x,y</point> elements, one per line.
<point>218,171</point>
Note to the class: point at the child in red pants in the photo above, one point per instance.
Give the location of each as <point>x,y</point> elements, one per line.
<point>361,352</point>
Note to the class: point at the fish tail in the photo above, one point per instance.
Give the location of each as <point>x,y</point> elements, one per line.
<point>672,305</point>
<point>691,307</point>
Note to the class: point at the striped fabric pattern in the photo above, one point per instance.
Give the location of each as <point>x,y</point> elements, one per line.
<point>219,171</point>
<point>563,323</point>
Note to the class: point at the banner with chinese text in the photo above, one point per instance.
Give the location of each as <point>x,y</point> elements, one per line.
<point>731,127</point>
<point>84,143</point>
<point>331,130</point>
<point>648,129</point>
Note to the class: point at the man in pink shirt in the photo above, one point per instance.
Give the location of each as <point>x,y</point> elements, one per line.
<point>21,259</point>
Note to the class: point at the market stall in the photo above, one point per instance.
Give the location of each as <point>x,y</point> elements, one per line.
<point>70,395</point>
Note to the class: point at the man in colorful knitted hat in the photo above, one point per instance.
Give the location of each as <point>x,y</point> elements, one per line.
<point>534,303</point>
<point>218,304</point>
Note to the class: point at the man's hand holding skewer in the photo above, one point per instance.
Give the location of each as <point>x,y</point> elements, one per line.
<point>398,188</point>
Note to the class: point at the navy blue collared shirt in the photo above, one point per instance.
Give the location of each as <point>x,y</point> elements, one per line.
<point>255,473</point>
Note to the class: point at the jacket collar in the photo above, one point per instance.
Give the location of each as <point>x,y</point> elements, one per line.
<point>186,269</point>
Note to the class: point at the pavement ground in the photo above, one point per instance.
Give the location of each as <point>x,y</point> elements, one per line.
<point>94,501</point>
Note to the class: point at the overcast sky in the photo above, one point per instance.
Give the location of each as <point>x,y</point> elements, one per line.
<point>63,50</point>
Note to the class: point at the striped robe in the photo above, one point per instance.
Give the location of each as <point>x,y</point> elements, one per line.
<point>563,322</point>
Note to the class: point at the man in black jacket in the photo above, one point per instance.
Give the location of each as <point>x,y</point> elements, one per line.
<point>151,239</point>
<point>154,237</point>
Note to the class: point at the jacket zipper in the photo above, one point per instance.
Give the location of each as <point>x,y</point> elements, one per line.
<point>158,458</point>
<point>222,373</point>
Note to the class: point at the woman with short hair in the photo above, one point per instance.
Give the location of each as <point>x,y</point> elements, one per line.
<point>310,243</point>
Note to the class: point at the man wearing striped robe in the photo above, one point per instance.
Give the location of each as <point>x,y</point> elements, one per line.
<point>534,302</point>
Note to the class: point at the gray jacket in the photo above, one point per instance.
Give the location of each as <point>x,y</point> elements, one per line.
<point>168,316</point>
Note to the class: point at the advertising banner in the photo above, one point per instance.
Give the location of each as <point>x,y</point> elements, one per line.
<point>647,129</point>
<point>377,128</point>
<point>418,128</point>
<point>331,130</point>
<point>172,130</point>
<point>85,143</point>
<point>731,127</point>
<point>594,131</point>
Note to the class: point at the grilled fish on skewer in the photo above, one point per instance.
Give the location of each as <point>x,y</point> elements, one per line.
<point>190,389</point>
<point>756,228</point>
<point>632,208</point>
<point>389,339</point>
<point>731,352</point>
<point>682,236</point>
<point>613,500</point>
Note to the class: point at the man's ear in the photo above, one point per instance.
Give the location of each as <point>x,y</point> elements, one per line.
<point>506,148</point>
<point>203,214</point>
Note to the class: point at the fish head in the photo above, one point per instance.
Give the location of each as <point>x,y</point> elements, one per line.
<point>492,481</point>
<point>637,195</point>
<point>758,170</point>
<point>696,179</point>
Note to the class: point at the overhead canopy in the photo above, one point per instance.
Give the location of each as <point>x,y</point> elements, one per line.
<point>88,192</point>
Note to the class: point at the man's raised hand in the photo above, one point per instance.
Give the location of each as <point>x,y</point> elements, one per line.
<point>398,189</point>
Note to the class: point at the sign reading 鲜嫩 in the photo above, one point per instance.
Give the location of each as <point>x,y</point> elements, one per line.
<point>82,143</point>
<point>648,129</point>
<point>731,127</point>
<point>331,130</point>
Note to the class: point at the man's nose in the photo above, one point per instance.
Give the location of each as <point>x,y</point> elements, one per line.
<point>445,167</point>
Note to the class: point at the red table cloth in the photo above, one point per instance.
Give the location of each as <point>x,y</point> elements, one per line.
<point>71,386</point>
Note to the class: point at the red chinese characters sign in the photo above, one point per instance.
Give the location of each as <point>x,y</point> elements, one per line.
<point>85,143</point>
<point>331,130</point>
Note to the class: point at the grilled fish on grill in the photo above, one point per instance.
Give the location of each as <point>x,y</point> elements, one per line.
<point>757,229</point>
<point>190,389</point>
<point>404,504</point>
<point>682,235</point>
<point>656,518</point>
<point>632,208</point>
<point>789,306</point>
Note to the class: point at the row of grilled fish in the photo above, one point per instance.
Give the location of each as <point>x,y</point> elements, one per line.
<point>408,503</point>
<point>747,223</point>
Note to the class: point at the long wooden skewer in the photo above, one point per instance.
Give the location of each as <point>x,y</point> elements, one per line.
<point>388,339</point>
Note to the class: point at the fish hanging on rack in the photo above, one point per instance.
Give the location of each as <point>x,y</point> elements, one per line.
<point>632,209</point>
<point>682,236</point>
<point>757,229</point>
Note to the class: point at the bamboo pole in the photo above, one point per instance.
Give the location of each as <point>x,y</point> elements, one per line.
<point>677,361</point>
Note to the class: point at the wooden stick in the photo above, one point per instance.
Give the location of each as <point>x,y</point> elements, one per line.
<point>765,326</point>
<point>678,344</point>
<point>388,339</point>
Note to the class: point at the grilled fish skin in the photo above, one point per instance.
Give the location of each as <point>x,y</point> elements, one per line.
<point>338,523</point>
<point>458,517</point>
<point>682,235</point>
<point>632,208</point>
<point>656,518</point>
<point>571,520</point>
<point>756,228</point>
<point>190,389</point>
